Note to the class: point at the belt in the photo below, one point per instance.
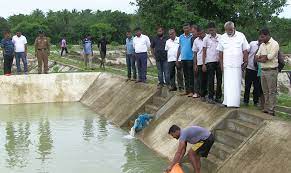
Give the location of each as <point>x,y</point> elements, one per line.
<point>42,49</point>
<point>269,69</point>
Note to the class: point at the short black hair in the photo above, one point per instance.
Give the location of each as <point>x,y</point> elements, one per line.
<point>199,29</point>
<point>172,29</point>
<point>211,25</point>
<point>194,26</point>
<point>186,24</point>
<point>6,32</point>
<point>173,129</point>
<point>264,31</point>
<point>160,27</point>
<point>137,29</point>
<point>128,31</point>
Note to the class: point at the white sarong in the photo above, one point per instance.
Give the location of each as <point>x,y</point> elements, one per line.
<point>232,86</point>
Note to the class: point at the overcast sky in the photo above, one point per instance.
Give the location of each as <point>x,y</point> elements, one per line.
<point>26,6</point>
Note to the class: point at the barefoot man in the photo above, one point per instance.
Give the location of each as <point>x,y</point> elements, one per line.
<point>202,140</point>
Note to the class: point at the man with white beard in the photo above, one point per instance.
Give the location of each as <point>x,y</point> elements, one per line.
<point>233,53</point>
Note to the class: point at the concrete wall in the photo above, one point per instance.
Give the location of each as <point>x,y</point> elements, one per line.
<point>116,99</point>
<point>59,87</point>
<point>183,112</point>
<point>268,151</point>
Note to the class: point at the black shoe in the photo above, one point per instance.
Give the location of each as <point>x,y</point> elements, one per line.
<point>211,101</point>
<point>160,86</point>
<point>203,99</point>
<point>218,101</point>
<point>173,89</point>
<point>246,104</point>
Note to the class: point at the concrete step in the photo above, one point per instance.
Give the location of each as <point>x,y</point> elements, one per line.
<point>210,164</point>
<point>242,127</point>
<point>254,119</point>
<point>159,101</point>
<point>164,92</point>
<point>229,137</point>
<point>151,109</point>
<point>221,150</point>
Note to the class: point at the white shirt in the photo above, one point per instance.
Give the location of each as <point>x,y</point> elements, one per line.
<point>211,43</point>
<point>172,47</point>
<point>232,48</point>
<point>141,44</point>
<point>198,47</point>
<point>252,52</point>
<point>19,43</point>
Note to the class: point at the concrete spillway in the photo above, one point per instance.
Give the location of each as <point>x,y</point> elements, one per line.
<point>246,141</point>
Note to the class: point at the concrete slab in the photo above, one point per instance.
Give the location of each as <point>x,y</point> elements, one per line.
<point>268,151</point>
<point>35,88</point>
<point>184,112</point>
<point>117,100</point>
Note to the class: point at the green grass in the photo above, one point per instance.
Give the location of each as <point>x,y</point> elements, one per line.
<point>283,116</point>
<point>286,49</point>
<point>287,67</point>
<point>284,100</point>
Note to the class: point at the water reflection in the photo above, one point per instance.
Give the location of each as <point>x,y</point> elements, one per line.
<point>17,145</point>
<point>45,143</point>
<point>88,129</point>
<point>102,129</point>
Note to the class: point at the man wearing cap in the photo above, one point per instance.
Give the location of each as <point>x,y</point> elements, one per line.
<point>42,51</point>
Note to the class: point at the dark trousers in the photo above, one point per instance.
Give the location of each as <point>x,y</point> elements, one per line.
<point>103,56</point>
<point>21,56</point>
<point>163,72</point>
<point>141,61</point>
<point>64,49</point>
<point>173,70</point>
<point>8,60</point>
<point>251,78</point>
<point>202,82</point>
<point>130,62</point>
<point>213,69</point>
<point>188,75</point>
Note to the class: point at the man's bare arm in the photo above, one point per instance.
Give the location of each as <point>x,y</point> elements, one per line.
<point>204,55</point>
<point>178,53</point>
<point>221,60</point>
<point>179,154</point>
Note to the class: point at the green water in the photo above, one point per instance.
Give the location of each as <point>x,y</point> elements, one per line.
<point>68,138</point>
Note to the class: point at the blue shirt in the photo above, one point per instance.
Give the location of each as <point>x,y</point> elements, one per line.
<point>129,46</point>
<point>186,47</point>
<point>8,46</point>
<point>87,44</point>
<point>194,134</point>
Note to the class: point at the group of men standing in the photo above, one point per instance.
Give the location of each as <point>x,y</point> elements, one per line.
<point>88,50</point>
<point>17,47</point>
<point>197,60</point>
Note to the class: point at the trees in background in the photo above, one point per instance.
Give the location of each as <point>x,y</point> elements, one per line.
<point>73,25</point>
<point>248,15</point>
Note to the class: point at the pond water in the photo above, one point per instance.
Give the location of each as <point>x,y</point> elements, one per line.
<point>68,138</point>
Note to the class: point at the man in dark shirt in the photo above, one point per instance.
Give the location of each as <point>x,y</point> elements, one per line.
<point>160,55</point>
<point>102,45</point>
<point>8,52</point>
